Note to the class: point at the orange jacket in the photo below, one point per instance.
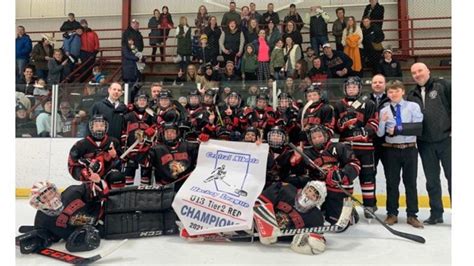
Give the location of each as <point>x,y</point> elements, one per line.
<point>89,41</point>
<point>352,50</point>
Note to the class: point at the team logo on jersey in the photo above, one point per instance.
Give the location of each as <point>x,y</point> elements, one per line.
<point>81,219</point>
<point>433,94</point>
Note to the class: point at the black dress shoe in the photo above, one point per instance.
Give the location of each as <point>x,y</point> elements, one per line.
<point>433,220</point>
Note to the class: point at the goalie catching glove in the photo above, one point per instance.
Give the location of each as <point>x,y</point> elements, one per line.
<point>308,243</point>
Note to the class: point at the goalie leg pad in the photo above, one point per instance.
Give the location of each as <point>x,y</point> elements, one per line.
<point>266,223</point>
<point>140,198</point>
<point>308,243</point>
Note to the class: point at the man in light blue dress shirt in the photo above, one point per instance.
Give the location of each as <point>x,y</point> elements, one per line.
<point>400,122</point>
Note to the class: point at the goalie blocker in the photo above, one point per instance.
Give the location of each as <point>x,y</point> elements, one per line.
<point>140,211</point>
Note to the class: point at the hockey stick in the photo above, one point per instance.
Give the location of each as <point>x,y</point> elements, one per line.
<point>76,260</point>
<point>129,149</point>
<point>412,237</point>
<point>303,112</point>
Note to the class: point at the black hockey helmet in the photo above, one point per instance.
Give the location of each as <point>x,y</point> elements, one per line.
<point>140,95</point>
<point>284,95</point>
<point>354,80</point>
<point>312,88</point>
<point>168,126</point>
<point>193,94</point>
<point>263,96</point>
<point>165,94</point>
<point>231,95</point>
<point>276,137</point>
<point>98,126</point>
<point>323,130</point>
<point>249,137</point>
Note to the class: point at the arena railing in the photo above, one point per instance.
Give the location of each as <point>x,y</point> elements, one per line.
<point>81,96</point>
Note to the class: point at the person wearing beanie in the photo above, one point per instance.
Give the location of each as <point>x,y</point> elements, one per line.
<point>25,127</point>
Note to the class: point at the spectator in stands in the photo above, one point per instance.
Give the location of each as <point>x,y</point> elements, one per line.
<point>290,86</point>
<point>25,84</point>
<point>373,37</point>
<point>318,27</point>
<point>252,96</point>
<point>165,25</point>
<point>292,53</point>
<point>195,43</point>
<point>309,56</point>
<point>23,47</point>
<point>41,54</point>
<point>184,40</point>
<point>374,11</point>
<point>251,35</point>
<point>388,66</point>
<point>70,24</point>
<point>89,48</point>
<point>231,42</point>
<point>294,34</point>
<point>231,15</point>
<point>130,72</point>
<point>56,67</point>
<point>352,40</point>
<point>401,123</point>
<point>132,32</point>
<point>89,98</point>
<point>319,73</point>
<point>40,88</point>
<point>434,145</point>
<point>72,49</point>
<point>338,27</point>
<point>249,63</point>
<point>269,15</point>
<point>202,18</point>
<point>98,78</point>
<point>213,33</point>
<point>229,77</point>
<point>253,12</point>
<point>155,33</point>
<point>112,110</point>
<point>294,16</point>
<point>204,53</point>
<point>43,120</point>
<point>68,128</point>
<point>25,127</point>
<point>301,70</point>
<point>189,76</point>
<point>273,34</point>
<point>339,64</point>
<point>277,61</point>
<point>210,78</point>
<point>244,18</point>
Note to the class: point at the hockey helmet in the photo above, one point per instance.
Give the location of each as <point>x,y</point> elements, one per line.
<point>141,102</point>
<point>354,80</point>
<point>46,198</point>
<point>317,142</point>
<point>251,134</point>
<point>98,126</point>
<point>170,139</point>
<point>276,137</point>
<point>194,98</point>
<point>262,97</point>
<point>312,195</point>
<point>284,100</point>
<point>233,99</point>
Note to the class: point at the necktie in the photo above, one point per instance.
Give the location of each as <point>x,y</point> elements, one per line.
<point>377,99</point>
<point>423,93</point>
<point>398,118</point>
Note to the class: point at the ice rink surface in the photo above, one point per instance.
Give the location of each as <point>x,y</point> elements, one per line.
<point>361,244</point>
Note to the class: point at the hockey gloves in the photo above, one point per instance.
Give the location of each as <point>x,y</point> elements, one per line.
<point>85,238</point>
<point>308,243</point>
<point>346,123</point>
<point>335,176</point>
<point>359,135</point>
<point>34,241</point>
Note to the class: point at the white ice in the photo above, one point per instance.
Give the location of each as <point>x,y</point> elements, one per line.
<point>361,244</point>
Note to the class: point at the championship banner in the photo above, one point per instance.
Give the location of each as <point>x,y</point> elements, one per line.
<point>220,193</point>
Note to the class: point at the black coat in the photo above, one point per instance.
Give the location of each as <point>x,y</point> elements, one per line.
<point>377,13</point>
<point>129,65</point>
<point>114,116</point>
<point>135,35</point>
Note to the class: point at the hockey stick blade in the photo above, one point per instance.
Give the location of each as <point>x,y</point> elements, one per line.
<point>412,237</point>
<point>76,260</point>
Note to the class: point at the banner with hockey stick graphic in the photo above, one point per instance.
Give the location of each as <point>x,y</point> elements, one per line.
<point>220,193</point>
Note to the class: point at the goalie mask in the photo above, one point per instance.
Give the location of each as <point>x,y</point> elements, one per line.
<point>352,88</point>
<point>98,127</point>
<point>45,197</point>
<point>276,137</point>
<point>170,134</point>
<point>318,136</point>
<point>141,102</point>
<point>312,195</point>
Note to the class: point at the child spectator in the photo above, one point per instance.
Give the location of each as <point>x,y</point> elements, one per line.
<point>249,63</point>
<point>277,61</point>
<point>56,67</point>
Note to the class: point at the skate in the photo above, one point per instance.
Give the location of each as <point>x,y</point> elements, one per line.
<point>368,215</point>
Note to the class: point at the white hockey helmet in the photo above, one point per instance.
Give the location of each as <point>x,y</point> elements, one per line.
<point>312,195</point>
<point>45,197</point>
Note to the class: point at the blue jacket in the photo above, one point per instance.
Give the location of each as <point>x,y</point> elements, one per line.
<point>129,65</point>
<point>23,47</point>
<point>72,45</point>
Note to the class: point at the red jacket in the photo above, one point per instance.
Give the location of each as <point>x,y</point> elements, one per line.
<point>89,41</point>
